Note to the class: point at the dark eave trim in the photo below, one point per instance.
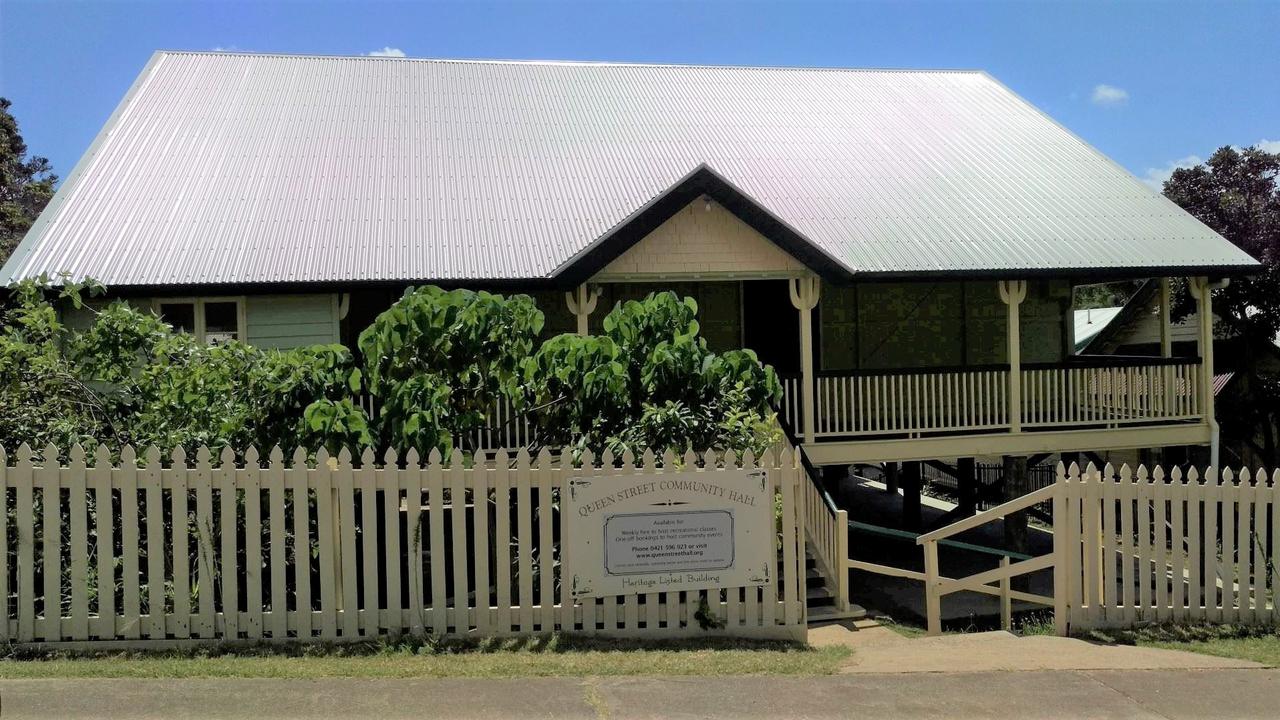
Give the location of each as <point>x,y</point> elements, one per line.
<point>570,278</point>
<point>1086,274</point>
<point>335,286</point>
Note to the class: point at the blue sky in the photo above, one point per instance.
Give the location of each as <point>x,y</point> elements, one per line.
<point>1148,84</point>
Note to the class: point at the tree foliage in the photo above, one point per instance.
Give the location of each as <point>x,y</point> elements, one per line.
<point>1236,193</point>
<point>649,382</point>
<point>129,378</point>
<point>26,183</point>
<point>438,359</point>
<point>434,364</point>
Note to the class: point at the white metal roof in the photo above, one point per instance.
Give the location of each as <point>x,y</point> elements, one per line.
<point>244,168</point>
<point>1091,321</point>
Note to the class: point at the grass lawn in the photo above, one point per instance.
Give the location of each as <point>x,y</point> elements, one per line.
<point>1260,645</point>
<point>553,656</point>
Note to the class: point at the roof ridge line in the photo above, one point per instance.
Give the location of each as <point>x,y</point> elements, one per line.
<point>584,63</point>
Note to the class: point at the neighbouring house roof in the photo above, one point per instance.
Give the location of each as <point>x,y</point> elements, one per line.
<point>1221,381</point>
<point>1138,318</point>
<point>1090,322</point>
<point>223,168</point>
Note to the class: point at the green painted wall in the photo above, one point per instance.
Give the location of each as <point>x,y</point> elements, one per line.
<point>82,318</point>
<point>289,321</point>
<point>922,324</point>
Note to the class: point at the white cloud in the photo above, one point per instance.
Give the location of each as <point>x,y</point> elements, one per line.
<point>1271,146</point>
<point>224,48</point>
<point>1155,177</point>
<point>1108,95</point>
<point>388,51</point>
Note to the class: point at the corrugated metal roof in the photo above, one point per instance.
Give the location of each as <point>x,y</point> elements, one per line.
<point>1221,381</point>
<point>243,168</point>
<point>1091,321</point>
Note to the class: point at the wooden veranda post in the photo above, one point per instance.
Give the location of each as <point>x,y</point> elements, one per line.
<point>1166,338</point>
<point>1012,293</point>
<point>1202,290</point>
<point>1166,342</point>
<point>804,298</point>
<point>582,302</point>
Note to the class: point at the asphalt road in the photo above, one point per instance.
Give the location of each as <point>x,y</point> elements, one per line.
<point>1188,694</point>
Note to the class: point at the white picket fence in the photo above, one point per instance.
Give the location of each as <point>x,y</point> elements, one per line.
<point>1143,547</point>
<point>1133,547</point>
<point>327,551</point>
<point>1130,547</point>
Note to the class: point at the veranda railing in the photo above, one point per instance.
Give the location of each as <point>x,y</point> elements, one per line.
<point>1103,392</point>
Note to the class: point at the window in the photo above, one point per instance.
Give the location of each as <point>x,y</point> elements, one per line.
<point>181,315</point>
<point>211,320</point>
<point>221,322</point>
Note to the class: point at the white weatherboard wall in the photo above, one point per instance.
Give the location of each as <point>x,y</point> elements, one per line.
<point>701,240</point>
<point>289,321</point>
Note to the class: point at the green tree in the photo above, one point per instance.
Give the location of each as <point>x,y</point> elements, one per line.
<point>26,183</point>
<point>129,378</point>
<point>1105,295</point>
<point>1235,192</point>
<point>649,382</point>
<point>437,360</point>
<point>45,397</point>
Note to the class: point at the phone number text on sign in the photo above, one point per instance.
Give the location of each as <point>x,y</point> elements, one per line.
<point>666,542</point>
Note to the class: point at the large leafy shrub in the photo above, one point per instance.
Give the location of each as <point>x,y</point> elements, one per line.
<point>649,382</point>
<point>435,364</point>
<point>577,387</point>
<point>437,360</point>
<point>44,396</point>
<point>128,378</point>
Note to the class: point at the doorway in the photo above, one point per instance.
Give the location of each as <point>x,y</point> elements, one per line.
<point>770,325</point>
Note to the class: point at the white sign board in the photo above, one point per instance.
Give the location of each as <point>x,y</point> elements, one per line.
<point>670,532</point>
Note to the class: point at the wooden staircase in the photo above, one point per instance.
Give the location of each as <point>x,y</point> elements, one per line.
<point>821,605</point>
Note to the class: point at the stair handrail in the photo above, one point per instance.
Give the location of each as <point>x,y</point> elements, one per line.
<point>936,586</point>
<point>827,530</point>
<point>1034,497</point>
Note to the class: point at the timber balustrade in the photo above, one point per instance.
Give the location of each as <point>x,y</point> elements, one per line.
<point>149,551</point>
<point>1085,392</point>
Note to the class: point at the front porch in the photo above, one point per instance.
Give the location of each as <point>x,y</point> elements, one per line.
<point>1010,408</point>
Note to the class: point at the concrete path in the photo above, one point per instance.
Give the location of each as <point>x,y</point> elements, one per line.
<point>878,649</point>
<point>1191,694</point>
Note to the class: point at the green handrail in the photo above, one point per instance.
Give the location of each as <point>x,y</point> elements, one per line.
<point>907,535</point>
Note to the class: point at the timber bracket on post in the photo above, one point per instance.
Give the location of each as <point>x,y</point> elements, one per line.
<point>582,302</point>
<point>1012,293</point>
<point>804,293</point>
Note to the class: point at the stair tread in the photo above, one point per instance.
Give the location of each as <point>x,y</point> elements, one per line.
<point>829,613</point>
<point>818,593</point>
